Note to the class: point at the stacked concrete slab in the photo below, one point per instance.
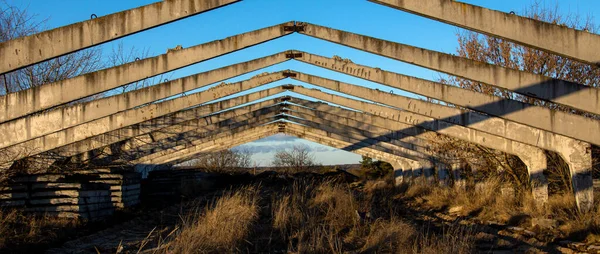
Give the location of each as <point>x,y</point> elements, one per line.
<point>58,195</point>
<point>124,185</point>
<point>90,194</point>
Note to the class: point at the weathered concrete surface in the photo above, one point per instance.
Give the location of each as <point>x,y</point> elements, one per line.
<point>528,84</point>
<point>36,125</point>
<point>21,103</point>
<point>226,145</point>
<point>145,131</point>
<point>566,124</point>
<point>119,120</point>
<point>186,132</point>
<point>528,154</point>
<point>213,143</point>
<point>146,153</point>
<point>24,51</point>
<point>557,39</point>
<point>318,113</point>
<point>353,140</point>
<point>430,114</point>
<point>442,173</point>
<point>360,137</point>
<point>457,167</point>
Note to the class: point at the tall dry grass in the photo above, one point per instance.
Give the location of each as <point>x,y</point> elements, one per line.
<point>487,202</point>
<point>18,229</point>
<point>221,227</point>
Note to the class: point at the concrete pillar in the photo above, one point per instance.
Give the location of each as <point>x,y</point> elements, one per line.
<point>442,173</point>
<point>407,171</point>
<point>428,171</point>
<point>536,162</point>
<point>417,169</point>
<point>457,167</point>
<point>578,155</point>
<point>398,173</point>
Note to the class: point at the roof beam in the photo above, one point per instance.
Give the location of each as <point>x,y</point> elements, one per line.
<point>25,51</point>
<point>557,39</point>
<point>37,125</point>
<point>566,124</point>
<point>39,98</point>
<point>570,94</point>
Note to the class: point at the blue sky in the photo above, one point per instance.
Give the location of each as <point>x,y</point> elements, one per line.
<point>358,16</point>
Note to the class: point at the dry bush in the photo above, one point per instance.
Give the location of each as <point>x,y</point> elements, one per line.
<point>454,239</point>
<point>337,204</point>
<point>222,227</point>
<point>574,224</point>
<point>389,236</point>
<point>417,189</point>
<point>17,229</point>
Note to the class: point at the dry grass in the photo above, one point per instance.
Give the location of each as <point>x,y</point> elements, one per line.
<point>17,229</point>
<point>486,202</point>
<point>312,216</point>
<point>222,227</point>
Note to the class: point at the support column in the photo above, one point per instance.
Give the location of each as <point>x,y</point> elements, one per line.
<point>408,171</point>
<point>457,167</point>
<point>578,155</point>
<point>417,169</point>
<point>536,162</point>
<point>428,171</point>
<point>442,173</point>
<point>398,173</point>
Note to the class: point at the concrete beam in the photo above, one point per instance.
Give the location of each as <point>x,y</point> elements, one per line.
<point>118,121</point>
<point>368,133</point>
<point>553,38</point>
<point>184,133</point>
<point>36,99</point>
<point>25,51</point>
<point>566,124</point>
<point>247,135</point>
<point>213,143</point>
<point>357,139</point>
<point>558,91</point>
<point>151,129</point>
<point>146,153</point>
<point>307,133</point>
<point>533,157</point>
<point>577,154</point>
<point>37,125</point>
<point>356,121</point>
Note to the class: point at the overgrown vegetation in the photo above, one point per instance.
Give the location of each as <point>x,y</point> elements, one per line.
<point>312,216</point>
<point>26,231</point>
<point>494,200</point>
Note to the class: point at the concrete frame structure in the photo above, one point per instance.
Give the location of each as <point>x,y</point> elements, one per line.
<point>514,127</point>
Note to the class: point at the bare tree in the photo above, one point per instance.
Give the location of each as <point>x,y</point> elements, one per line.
<point>16,22</point>
<point>120,55</point>
<point>297,159</point>
<point>224,160</point>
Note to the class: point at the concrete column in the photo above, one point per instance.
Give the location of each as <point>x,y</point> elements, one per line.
<point>398,173</point>
<point>457,167</point>
<point>428,171</point>
<point>406,170</point>
<point>536,162</point>
<point>442,173</point>
<point>417,169</point>
<point>578,155</point>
